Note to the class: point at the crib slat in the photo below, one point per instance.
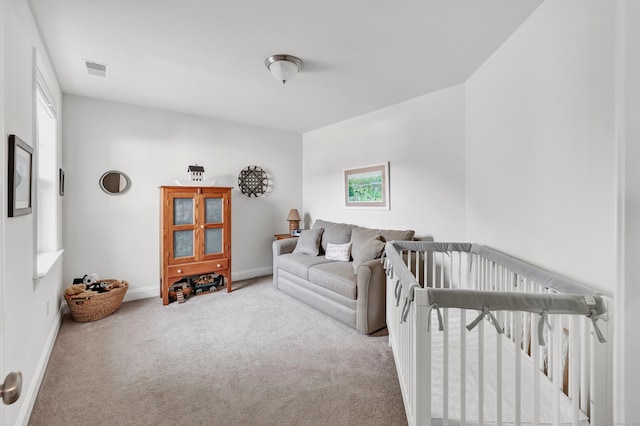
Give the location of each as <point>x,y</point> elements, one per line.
<point>481,373</point>
<point>416,266</point>
<point>535,352</point>
<point>518,372</point>
<point>451,262</point>
<point>421,365</point>
<point>526,284</point>
<point>442,263</point>
<point>425,269</point>
<point>601,401</point>
<point>586,362</point>
<point>574,368</point>
<point>445,366</point>
<point>557,374</point>
<point>463,367</point>
<point>499,380</point>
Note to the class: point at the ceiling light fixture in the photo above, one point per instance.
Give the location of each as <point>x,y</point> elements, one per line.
<point>283,67</point>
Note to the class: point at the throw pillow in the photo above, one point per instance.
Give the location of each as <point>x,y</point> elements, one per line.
<point>369,250</point>
<point>339,252</point>
<point>309,242</point>
<point>359,236</point>
<point>334,233</point>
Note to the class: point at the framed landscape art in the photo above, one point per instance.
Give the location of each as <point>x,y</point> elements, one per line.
<point>19,179</point>
<point>367,187</point>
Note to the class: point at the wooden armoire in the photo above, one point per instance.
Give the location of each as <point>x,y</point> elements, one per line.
<point>195,234</point>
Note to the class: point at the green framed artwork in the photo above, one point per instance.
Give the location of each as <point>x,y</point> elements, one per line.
<point>367,187</point>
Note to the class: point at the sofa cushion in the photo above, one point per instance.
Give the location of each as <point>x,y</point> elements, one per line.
<point>393,235</point>
<point>368,244</point>
<point>360,236</point>
<point>309,242</point>
<point>369,250</point>
<point>299,264</point>
<point>334,233</point>
<point>338,252</point>
<point>336,276</point>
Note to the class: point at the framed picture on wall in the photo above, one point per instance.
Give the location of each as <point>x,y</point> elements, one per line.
<point>367,187</point>
<point>19,179</point>
<point>61,182</point>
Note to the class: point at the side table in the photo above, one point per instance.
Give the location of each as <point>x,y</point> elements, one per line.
<point>283,236</point>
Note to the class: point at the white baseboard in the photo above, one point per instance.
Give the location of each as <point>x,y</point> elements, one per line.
<point>252,273</point>
<point>154,291</point>
<point>142,293</point>
<point>29,397</point>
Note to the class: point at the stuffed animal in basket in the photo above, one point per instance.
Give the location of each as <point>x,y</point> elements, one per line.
<point>74,289</point>
<point>87,279</point>
<point>100,287</point>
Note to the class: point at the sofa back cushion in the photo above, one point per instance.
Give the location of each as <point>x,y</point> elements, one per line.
<point>309,242</point>
<point>334,233</point>
<point>393,235</point>
<point>368,244</point>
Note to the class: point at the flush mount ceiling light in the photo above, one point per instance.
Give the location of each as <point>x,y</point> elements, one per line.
<point>283,67</point>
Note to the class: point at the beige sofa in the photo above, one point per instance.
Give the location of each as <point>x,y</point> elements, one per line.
<point>351,291</point>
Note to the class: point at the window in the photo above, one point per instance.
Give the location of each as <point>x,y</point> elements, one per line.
<point>46,212</point>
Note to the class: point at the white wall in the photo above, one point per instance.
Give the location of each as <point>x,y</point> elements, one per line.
<point>627,374</point>
<point>540,148</point>
<point>28,329</point>
<point>118,236</point>
<point>423,139</point>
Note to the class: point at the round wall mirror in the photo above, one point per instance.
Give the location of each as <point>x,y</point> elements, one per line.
<point>114,182</point>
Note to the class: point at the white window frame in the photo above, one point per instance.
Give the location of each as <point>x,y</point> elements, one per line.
<point>44,260</point>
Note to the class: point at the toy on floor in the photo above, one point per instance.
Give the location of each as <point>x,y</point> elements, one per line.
<point>180,291</point>
<point>207,283</point>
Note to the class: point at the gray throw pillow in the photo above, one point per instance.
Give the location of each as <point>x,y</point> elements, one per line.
<point>366,245</point>
<point>309,242</point>
<point>371,249</point>
<point>334,233</point>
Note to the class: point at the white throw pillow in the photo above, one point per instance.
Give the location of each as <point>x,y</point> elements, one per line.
<point>339,252</point>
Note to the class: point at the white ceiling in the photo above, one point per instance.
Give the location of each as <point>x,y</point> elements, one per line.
<point>206,57</point>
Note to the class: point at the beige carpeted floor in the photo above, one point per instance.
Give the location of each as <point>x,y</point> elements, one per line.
<point>255,356</point>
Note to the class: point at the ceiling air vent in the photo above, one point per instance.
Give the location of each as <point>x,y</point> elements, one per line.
<point>95,68</point>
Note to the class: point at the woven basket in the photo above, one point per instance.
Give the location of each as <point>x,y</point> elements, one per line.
<point>96,306</point>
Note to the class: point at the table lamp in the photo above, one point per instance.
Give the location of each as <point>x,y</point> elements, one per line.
<point>294,220</point>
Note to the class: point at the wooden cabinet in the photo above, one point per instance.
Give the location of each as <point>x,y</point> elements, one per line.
<point>195,234</point>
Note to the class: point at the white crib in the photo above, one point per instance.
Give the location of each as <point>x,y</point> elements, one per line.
<point>446,306</point>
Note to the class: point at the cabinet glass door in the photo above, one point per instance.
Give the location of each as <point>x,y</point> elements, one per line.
<point>213,218</point>
<point>183,211</point>
<point>213,210</point>
<point>183,239</point>
<point>213,241</point>
<point>182,244</point>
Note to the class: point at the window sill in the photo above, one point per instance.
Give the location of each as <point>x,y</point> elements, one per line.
<point>45,261</point>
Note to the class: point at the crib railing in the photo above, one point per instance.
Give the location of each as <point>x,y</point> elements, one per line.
<point>549,330</point>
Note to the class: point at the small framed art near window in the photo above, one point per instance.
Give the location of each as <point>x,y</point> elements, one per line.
<point>367,187</point>
<point>20,172</point>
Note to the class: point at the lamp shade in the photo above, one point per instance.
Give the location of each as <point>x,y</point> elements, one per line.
<point>283,67</point>
<point>294,215</point>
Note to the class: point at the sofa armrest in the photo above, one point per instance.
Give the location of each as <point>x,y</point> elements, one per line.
<point>281,247</point>
<point>284,246</point>
<point>371,300</point>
